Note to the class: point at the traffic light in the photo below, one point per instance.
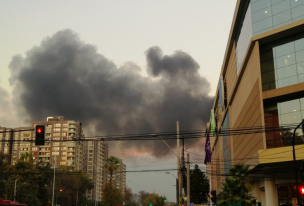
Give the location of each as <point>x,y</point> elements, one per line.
<point>39,134</point>
<point>301,188</point>
<point>165,200</point>
<point>150,204</point>
<point>213,196</point>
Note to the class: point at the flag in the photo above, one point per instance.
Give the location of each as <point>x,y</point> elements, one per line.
<point>207,150</point>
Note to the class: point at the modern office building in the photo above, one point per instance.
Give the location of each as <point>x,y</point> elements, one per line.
<point>261,84</point>
<point>68,153</point>
<point>95,155</point>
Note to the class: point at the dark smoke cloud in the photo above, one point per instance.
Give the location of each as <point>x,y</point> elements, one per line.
<point>64,76</point>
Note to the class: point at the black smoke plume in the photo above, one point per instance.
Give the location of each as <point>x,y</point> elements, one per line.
<point>66,77</point>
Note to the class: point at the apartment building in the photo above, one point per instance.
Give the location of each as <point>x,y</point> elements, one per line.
<point>69,153</point>
<point>261,84</point>
<point>95,155</point>
<point>6,136</point>
<point>119,177</point>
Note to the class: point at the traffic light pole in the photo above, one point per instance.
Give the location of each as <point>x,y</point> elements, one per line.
<point>294,160</point>
<point>178,164</point>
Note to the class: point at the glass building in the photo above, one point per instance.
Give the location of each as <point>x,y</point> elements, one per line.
<point>262,16</point>
<point>260,100</point>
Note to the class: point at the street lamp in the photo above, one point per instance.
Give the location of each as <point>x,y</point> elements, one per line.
<point>177,195</point>
<point>56,196</point>
<point>95,184</point>
<point>15,189</point>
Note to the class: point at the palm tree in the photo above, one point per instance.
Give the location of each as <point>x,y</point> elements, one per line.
<point>235,188</point>
<point>112,164</point>
<point>27,157</point>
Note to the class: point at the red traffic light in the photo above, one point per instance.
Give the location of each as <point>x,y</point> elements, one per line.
<point>39,130</point>
<point>301,190</point>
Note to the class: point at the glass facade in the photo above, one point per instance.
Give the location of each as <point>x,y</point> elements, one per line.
<point>285,113</point>
<point>244,38</point>
<point>282,62</point>
<point>271,14</point>
<point>264,15</point>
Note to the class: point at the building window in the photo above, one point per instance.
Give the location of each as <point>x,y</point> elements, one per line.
<point>57,125</point>
<point>56,129</point>
<point>284,113</point>
<point>282,62</point>
<point>268,15</point>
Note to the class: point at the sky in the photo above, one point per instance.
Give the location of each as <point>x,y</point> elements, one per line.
<point>129,50</point>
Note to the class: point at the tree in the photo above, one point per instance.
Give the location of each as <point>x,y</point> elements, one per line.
<point>112,164</point>
<point>154,199</point>
<point>135,200</point>
<point>199,186</point>
<point>235,188</point>
<point>128,195</point>
<point>142,195</point>
<point>111,195</point>
<point>29,179</point>
<point>69,185</point>
<point>4,162</point>
<point>35,186</point>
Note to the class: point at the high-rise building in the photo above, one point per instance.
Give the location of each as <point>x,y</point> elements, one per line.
<point>67,153</point>
<point>119,177</point>
<point>6,144</point>
<point>95,155</point>
<point>261,84</point>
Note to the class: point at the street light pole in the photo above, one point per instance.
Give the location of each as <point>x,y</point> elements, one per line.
<point>177,196</point>
<point>15,189</point>
<point>95,183</point>
<point>54,179</point>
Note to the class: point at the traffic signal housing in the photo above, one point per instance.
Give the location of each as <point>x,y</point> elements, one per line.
<point>165,200</point>
<point>39,134</point>
<point>301,190</point>
<point>213,196</point>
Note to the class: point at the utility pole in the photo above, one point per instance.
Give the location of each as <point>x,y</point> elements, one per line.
<point>95,184</point>
<point>178,163</point>
<point>15,190</point>
<point>294,160</point>
<point>77,199</point>
<point>182,166</point>
<point>54,177</point>
<point>188,179</point>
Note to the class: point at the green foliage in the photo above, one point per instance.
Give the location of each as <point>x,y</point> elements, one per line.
<point>199,186</point>
<point>112,164</point>
<point>35,183</point>
<point>235,188</point>
<point>4,162</point>
<point>30,187</point>
<point>70,182</point>
<point>154,199</point>
<point>111,195</point>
